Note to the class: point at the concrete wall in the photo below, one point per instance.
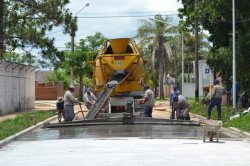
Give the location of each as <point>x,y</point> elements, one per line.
<point>17,87</point>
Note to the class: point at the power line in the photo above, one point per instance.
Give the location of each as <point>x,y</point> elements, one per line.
<point>113,16</point>
<point>245,20</point>
<point>85,13</point>
<point>55,32</point>
<point>124,16</point>
<point>128,16</point>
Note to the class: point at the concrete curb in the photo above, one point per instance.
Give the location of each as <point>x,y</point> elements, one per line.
<point>240,132</point>
<point>201,117</point>
<point>26,131</point>
<point>233,130</point>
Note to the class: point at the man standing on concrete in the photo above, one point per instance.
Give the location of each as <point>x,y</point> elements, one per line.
<point>149,100</point>
<point>216,99</point>
<point>69,102</point>
<point>182,108</point>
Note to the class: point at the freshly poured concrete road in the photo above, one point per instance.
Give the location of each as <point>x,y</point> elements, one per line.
<point>124,152</point>
<point>113,131</point>
<point>133,145</point>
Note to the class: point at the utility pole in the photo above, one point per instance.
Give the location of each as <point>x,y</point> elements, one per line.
<point>234,62</point>
<point>196,54</point>
<point>1,29</point>
<point>72,35</point>
<point>182,63</point>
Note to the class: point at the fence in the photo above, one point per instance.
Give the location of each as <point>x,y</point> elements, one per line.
<point>17,88</point>
<point>51,90</point>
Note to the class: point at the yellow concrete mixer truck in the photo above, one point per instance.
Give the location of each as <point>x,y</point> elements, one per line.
<point>118,78</point>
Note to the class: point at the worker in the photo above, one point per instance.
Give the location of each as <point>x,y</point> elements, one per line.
<point>182,108</point>
<point>69,102</point>
<point>89,98</point>
<point>173,101</point>
<point>60,109</point>
<point>148,101</point>
<point>216,99</point>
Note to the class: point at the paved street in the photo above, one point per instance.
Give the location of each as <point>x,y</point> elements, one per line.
<point>125,151</point>
<point>108,145</point>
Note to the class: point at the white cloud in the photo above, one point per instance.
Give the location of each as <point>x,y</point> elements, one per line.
<point>114,27</point>
<point>164,5</point>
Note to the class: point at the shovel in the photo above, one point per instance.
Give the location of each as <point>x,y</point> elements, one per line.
<point>81,111</point>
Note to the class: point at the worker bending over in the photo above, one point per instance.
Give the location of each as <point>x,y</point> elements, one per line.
<point>89,98</point>
<point>182,108</point>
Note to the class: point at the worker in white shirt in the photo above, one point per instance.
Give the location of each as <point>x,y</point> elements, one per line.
<point>69,102</point>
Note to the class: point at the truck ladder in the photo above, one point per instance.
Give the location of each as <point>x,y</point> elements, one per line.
<point>111,85</point>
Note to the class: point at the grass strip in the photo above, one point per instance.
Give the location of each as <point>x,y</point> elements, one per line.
<point>12,126</point>
<point>242,123</point>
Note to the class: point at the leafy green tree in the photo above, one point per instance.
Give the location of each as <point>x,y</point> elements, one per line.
<point>220,59</point>
<point>26,22</point>
<point>216,17</point>
<point>155,33</point>
<point>94,43</point>
<point>1,29</point>
<point>86,50</point>
<point>60,75</point>
<point>26,59</point>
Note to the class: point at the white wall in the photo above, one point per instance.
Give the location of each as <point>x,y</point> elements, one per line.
<point>205,76</point>
<point>17,87</point>
<point>205,79</point>
<point>189,90</point>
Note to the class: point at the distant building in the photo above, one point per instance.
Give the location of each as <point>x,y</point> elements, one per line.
<point>42,76</point>
<point>205,79</point>
<point>49,90</point>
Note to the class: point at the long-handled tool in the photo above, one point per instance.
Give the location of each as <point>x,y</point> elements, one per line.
<point>82,111</point>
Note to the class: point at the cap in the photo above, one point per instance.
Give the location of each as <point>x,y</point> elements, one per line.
<point>174,87</point>
<point>216,82</point>
<point>60,99</point>
<point>175,98</point>
<point>145,86</point>
<point>88,90</point>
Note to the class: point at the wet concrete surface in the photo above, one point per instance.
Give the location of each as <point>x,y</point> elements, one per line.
<point>125,151</point>
<point>133,145</point>
<point>115,131</point>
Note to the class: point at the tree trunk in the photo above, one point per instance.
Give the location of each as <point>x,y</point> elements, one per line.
<point>81,88</point>
<point>155,82</point>
<point>1,29</point>
<point>161,71</point>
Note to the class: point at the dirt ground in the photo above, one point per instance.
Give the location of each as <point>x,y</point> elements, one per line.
<point>161,110</point>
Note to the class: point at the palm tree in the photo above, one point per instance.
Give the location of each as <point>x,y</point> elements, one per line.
<point>154,32</point>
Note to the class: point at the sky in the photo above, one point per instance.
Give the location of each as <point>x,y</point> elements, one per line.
<point>111,26</point>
